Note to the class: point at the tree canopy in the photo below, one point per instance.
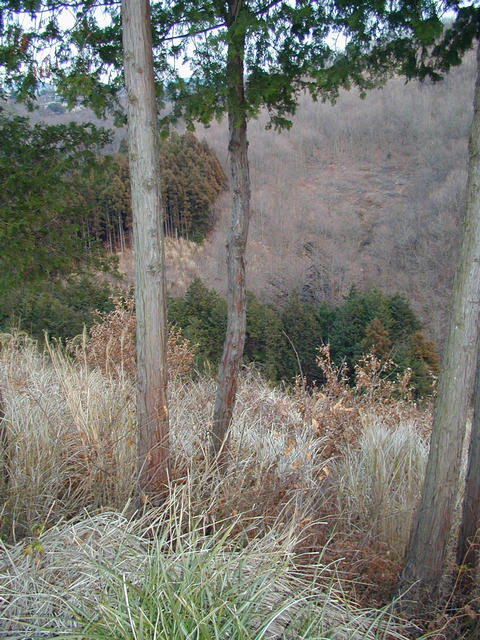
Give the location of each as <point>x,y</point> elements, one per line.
<point>43,172</point>
<point>289,48</point>
<point>284,342</point>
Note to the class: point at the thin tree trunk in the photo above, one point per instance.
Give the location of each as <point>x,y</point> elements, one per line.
<point>152,412</point>
<point>426,555</point>
<point>236,243</point>
<point>4,445</point>
<point>467,546</point>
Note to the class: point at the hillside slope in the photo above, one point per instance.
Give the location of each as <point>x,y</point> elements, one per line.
<point>366,191</point>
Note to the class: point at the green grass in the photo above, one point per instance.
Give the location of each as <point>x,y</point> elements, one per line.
<point>168,576</point>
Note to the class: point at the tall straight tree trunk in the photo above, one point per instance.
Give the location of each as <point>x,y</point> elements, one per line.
<point>4,445</point>
<point>467,546</point>
<point>152,412</point>
<point>237,238</point>
<point>426,555</point>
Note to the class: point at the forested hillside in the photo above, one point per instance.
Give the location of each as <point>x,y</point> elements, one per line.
<point>314,488</point>
<point>366,192</point>
<point>59,239</point>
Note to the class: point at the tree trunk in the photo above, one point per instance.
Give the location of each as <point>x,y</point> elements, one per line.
<point>237,240</point>
<point>426,555</point>
<point>152,412</point>
<point>467,552</point>
<point>4,461</point>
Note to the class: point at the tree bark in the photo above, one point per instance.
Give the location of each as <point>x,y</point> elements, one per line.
<point>152,412</point>
<point>237,238</point>
<point>4,445</point>
<point>467,546</point>
<point>426,555</point>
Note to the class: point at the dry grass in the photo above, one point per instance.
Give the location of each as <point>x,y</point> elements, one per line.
<point>335,474</point>
<point>184,260</point>
<point>110,345</point>
<point>70,437</point>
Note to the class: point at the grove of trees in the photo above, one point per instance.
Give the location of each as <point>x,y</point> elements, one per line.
<point>246,55</point>
<point>49,261</point>
<point>191,180</point>
<point>284,342</point>
<point>75,211</point>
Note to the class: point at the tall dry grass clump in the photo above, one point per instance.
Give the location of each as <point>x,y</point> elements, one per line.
<point>69,436</point>
<point>379,483</point>
<point>338,410</point>
<point>377,436</point>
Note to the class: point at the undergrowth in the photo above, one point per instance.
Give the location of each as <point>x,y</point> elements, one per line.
<point>300,537</point>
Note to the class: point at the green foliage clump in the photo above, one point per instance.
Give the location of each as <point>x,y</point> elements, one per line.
<point>201,314</point>
<point>284,342</point>
<point>263,337</point>
<point>48,251</point>
<point>348,330</point>
<point>387,324</point>
<point>304,328</point>
<point>60,308</point>
<point>191,180</point>
<point>43,173</point>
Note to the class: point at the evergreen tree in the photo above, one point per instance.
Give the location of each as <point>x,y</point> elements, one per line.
<point>49,250</point>
<point>304,328</point>
<point>44,171</point>
<point>149,255</point>
<point>201,314</point>
<point>403,321</point>
<point>264,337</point>
<point>425,561</point>
<point>348,331</point>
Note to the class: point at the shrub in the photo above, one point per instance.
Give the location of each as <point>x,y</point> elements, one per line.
<point>111,343</point>
<point>350,322</point>
<point>59,308</point>
<point>201,314</point>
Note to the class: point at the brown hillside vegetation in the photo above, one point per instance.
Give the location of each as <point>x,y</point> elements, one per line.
<point>365,191</point>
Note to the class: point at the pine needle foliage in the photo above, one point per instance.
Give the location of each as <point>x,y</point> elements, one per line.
<point>191,179</point>
<point>43,171</point>
<point>283,342</point>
